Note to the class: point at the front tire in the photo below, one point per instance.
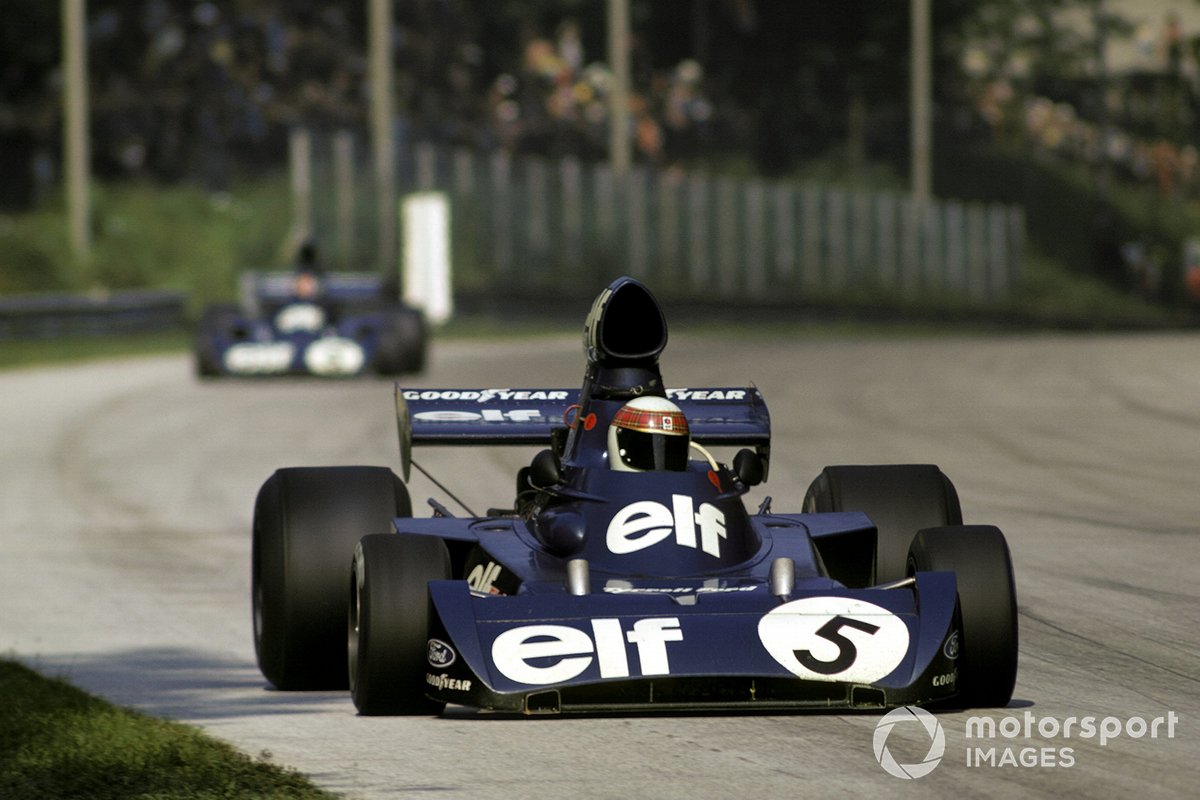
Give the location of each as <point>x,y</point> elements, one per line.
<point>987,600</point>
<point>307,521</point>
<point>388,631</point>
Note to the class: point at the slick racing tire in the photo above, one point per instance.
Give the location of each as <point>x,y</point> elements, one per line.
<point>900,499</point>
<point>402,342</point>
<point>388,630</point>
<point>307,521</point>
<point>987,600</point>
<point>219,320</point>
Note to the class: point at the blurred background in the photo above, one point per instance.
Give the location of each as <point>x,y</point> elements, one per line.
<point>783,154</point>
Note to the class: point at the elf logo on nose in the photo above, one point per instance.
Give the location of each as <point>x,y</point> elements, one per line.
<point>539,655</point>
<point>646,523</point>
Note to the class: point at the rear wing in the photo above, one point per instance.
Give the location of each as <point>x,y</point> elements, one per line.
<point>270,287</point>
<point>716,416</point>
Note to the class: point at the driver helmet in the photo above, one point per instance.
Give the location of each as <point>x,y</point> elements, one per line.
<point>307,285</point>
<point>648,433</point>
<point>307,281</point>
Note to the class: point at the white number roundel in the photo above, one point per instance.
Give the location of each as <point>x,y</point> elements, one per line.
<point>334,355</point>
<point>835,639</point>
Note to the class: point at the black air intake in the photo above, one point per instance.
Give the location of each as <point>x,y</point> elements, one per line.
<point>626,326</point>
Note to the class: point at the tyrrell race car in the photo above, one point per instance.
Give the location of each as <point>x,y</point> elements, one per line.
<point>308,322</point>
<point>627,574</point>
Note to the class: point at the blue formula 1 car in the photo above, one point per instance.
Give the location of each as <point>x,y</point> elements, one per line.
<point>628,575</point>
<point>331,324</point>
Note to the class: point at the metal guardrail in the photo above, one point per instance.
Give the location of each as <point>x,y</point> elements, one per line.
<point>45,316</point>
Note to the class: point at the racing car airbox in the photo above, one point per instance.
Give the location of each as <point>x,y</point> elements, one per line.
<point>625,326</point>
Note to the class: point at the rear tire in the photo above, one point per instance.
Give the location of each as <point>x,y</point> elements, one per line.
<point>307,521</point>
<point>402,342</point>
<point>388,631</point>
<point>218,321</point>
<point>900,499</point>
<point>987,600</point>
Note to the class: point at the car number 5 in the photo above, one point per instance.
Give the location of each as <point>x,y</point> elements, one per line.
<point>831,638</point>
<point>847,652</point>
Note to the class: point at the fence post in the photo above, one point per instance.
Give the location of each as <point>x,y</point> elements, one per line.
<point>836,231</point>
<point>978,286</point>
<point>812,219</point>
<point>669,225</point>
<point>464,173</point>
<point>783,221</point>
<point>639,231</point>
<point>604,198</point>
<point>699,251</point>
<point>502,211</point>
<point>755,238</point>
<point>886,246</point>
<point>537,211</point>
<point>343,170</point>
<point>300,151</point>
<point>571,181</point>
<point>933,264</point>
<point>956,276</point>
<point>861,234</point>
<point>1016,244</point>
<point>426,155</point>
<point>728,261</point>
<point>911,230</point>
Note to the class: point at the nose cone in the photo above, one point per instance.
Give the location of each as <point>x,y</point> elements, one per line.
<point>626,326</point>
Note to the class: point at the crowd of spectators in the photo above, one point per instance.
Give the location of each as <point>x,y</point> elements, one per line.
<point>206,90</point>
<point>195,89</point>
<point>558,103</point>
<point>1151,110</point>
<point>202,90</point>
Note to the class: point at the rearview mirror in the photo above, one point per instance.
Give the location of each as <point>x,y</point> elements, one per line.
<point>748,467</point>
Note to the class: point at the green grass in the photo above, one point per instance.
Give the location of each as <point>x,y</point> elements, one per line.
<point>59,742</point>
<point>145,236</point>
<point>74,349</point>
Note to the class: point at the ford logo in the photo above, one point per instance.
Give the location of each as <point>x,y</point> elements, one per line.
<point>440,653</point>
<point>950,649</point>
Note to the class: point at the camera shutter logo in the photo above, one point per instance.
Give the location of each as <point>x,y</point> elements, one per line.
<point>909,715</point>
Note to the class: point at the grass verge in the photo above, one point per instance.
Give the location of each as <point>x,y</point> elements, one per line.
<point>57,741</point>
<point>73,349</point>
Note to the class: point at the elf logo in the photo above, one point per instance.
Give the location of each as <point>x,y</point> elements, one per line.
<point>543,654</point>
<point>483,578</point>
<point>646,523</point>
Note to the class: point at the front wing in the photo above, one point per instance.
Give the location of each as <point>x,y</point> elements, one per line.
<point>719,645</point>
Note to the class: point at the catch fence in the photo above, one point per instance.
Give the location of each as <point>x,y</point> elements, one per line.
<point>524,223</point>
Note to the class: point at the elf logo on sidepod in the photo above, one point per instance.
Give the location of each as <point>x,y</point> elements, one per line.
<point>646,523</point>
<point>543,654</point>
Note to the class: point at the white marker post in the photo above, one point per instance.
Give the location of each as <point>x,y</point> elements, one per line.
<point>427,278</point>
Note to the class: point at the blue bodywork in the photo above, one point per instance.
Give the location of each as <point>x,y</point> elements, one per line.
<point>607,590</point>
<point>352,327</point>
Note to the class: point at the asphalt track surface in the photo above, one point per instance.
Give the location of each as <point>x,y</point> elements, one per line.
<point>126,492</point>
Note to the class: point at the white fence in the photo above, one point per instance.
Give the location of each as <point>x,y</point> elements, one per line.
<point>527,222</point>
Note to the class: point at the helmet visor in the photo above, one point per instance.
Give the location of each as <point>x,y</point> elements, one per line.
<point>641,450</point>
